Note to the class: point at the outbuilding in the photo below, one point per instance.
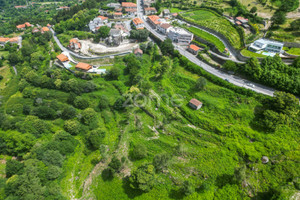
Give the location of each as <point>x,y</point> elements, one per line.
<point>195,104</point>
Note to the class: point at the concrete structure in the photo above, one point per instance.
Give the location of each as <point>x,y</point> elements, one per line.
<point>63,8</point>
<point>166,13</point>
<point>75,45</point>
<point>114,5</point>
<point>138,23</point>
<point>195,104</point>
<point>180,35</point>
<point>131,11</point>
<point>164,28</point>
<point>193,49</point>
<point>241,21</point>
<point>150,11</point>
<point>266,45</point>
<point>18,7</point>
<point>148,3</point>
<point>115,37</point>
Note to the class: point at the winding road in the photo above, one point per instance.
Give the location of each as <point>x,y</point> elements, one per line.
<point>221,74</point>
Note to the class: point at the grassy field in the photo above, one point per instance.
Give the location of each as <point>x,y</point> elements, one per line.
<point>248,53</point>
<point>206,36</point>
<point>6,73</point>
<point>212,21</point>
<point>294,51</point>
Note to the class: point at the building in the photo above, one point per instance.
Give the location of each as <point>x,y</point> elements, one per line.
<point>138,23</point>
<point>166,13</point>
<point>148,3</point>
<point>241,21</point>
<point>153,20</point>
<point>131,11</point>
<point>96,71</point>
<point>62,58</point>
<point>138,52</point>
<point>74,44</point>
<point>180,35</point>
<point>174,15</point>
<point>129,5</point>
<point>103,19</point>
<point>97,22</point>
<point>18,7</point>
<point>14,40</point>
<point>83,66</point>
<point>63,8</point>
<point>45,29</point>
<point>195,104</point>
<point>164,28</point>
<point>150,11</point>
<point>118,15</point>
<point>23,26</point>
<point>115,37</point>
<point>35,30</point>
<point>114,5</point>
<point>193,49</point>
<point>122,28</point>
<point>266,45</point>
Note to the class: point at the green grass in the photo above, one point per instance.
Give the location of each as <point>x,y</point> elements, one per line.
<point>206,36</point>
<point>293,51</point>
<point>248,53</point>
<point>175,10</point>
<point>212,21</point>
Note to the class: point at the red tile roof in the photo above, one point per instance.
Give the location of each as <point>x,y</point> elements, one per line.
<point>195,102</point>
<point>62,57</point>
<point>118,13</point>
<point>3,39</point>
<point>128,5</point>
<point>102,17</point>
<point>137,21</point>
<point>150,8</point>
<point>165,25</point>
<point>194,47</point>
<point>45,29</point>
<point>21,26</point>
<point>83,66</point>
<point>138,50</point>
<point>154,19</point>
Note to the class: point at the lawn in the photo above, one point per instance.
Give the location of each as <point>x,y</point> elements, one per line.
<point>294,51</point>
<point>217,23</point>
<point>6,73</point>
<point>248,53</point>
<point>206,36</point>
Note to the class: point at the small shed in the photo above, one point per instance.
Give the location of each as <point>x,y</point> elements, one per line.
<point>193,49</point>
<point>138,52</point>
<point>195,104</point>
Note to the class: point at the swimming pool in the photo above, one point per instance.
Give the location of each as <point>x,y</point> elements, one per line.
<point>269,54</point>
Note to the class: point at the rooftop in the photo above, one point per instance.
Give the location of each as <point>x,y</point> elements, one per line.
<point>128,4</point>
<point>137,21</point>
<point>194,47</point>
<point>165,25</point>
<point>150,8</point>
<point>102,17</point>
<point>138,50</point>
<point>195,102</point>
<point>62,58</point>
<point>179,31</point>
<point>83,66</point>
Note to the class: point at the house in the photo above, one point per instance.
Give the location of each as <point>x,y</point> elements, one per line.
<point>122,28</point>
<point>193,49</point>
<point>138,23</point>
<point>129,5</point>
<point>180,35</point>
<point>74,44</point>
<point>266,45</point>
<point>14,40</point>
<point>241,21</point>
<point>114,5</point>
<point>103,19</point>
<point>49,25</point>
<point>131,11</point>
<point>45,29</point>
<point>83,66</point>
<point>35,30</point>
<point>148,3</point>
<point>150,11</point>
<point>103,12</point>
<point>118,15</point>
<point>115,37</point>
<point>23,26</point>
<point>195,104</point>
<point>138,52</point>
<point>63,8</point>
<point>62,58</point>
<point>18,7</point>
<point>166,13</point>
<point>164,28</point>
<point>153,20</point>
<point>174,15</point>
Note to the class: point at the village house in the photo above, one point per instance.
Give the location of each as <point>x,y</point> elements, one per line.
<point>122,28</point>
<point>148,3</point>
<point>138,52</point>
<point>153,21</point>
<point>241,21</point>
<point>14,40</point>
<point>129,5</point>
<point>75,45</point>
<point>18,7</point>
<point>164,28</point>
<point>118,15</point>
<point>193,49</point>
<point>131,11</point>
<point>63,8</point>
<point>180,35</point>
<point>150,11</point>
<point>97,23</point>
<point>35,30</point>
<point>83,66</point>
<point>166,13</point>
<point>113,5</point>
<point>195,104</point>
<point>23,26</point>
<point>45,29</point>
<point>138,23</point>
<point>62,58</point>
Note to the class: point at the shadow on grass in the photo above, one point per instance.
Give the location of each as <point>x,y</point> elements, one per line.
<point>176,194</point>
<point>130,192</point>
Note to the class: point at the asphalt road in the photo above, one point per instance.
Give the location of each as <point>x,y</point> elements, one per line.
<point>221,74</point>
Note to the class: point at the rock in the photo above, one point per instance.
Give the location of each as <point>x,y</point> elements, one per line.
<point>264,159</point>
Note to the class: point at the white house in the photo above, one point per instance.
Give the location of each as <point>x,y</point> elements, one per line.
<point>97,22</point>
<point>180,35</point>
<point>150,11</point>
<point>164,28</point>
<point>266,45</point>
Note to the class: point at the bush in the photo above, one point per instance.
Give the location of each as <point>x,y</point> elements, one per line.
<point>138,152</point>
<point>13,167</point>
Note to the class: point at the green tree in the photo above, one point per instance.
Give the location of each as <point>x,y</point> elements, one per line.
<point>138,152</point>
<point>188,188</point>
<point>230,65</point>
<point>278,18</point>
<point>51,157</point>
<point>200,83</point>
<point>88,116</point>
<point>68,112</point>
<point>13,167</point>
<point>103,32</point>
<point>295,25</point>
<point>114,73</point>
<point>103,102</point>
<point>143,178</point>
<point>253,9</point>
<point>73,127</point>
<point>115,164</point>
<point>81,103</point>
<point>53,172</point>
<point>167,47</point>
<point>95,138</point>
<point>161,161</point>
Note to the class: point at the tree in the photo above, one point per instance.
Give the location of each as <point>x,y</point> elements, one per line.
<point>13,167</point>
<point>119,104</point>
<point>143,178</point>
<point>188,188</point>
<point>295,25</point>
<point>68,112</point>
<point>253,9</point>
<point>53,172</point>
<point>72,126</point>
<point>103,102</point>
<point>51,157</point>
<point>278,18</point>
<point>103,32</point>
<point>95,139</point>
<point>161,161</point>
<point>81,103</point>
<point>88,116</point>
<point>13,58</point>
<point>167,47</point>
<point>114,73</point>
<point>200,83</point>
<point>115,164</point>
<point>230,65</point>
<point>44,112</point>
<point>139,35</point>
<point>296,62</point>
<point>139,152</point>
